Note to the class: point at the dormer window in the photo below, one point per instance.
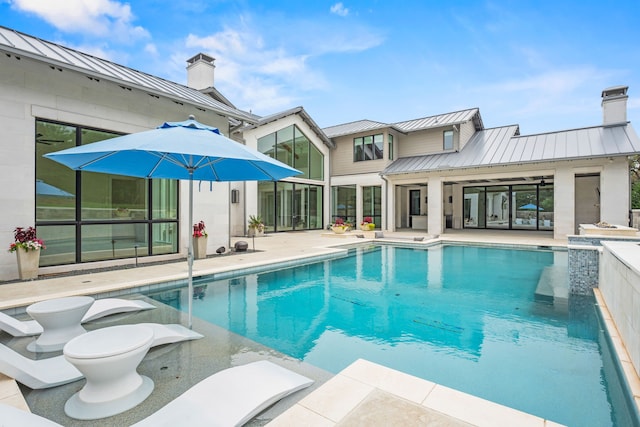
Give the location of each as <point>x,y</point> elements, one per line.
<point>447,140</point>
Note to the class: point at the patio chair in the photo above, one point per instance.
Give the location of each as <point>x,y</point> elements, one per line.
<point>227,398</point>
<point>55,371</point>
<point>100,308</point>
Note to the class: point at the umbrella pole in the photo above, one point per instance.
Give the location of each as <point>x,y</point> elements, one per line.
<point>190,252</point>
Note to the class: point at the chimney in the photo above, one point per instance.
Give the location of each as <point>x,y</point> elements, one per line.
<point>200,70</point>
<point>614,106</point>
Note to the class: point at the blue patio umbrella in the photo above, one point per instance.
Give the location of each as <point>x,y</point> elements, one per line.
<point>530,207</point>
<point>186,150</point>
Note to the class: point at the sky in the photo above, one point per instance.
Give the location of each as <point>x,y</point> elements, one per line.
<point>541,64</point>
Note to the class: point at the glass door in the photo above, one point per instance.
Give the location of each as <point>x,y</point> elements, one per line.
<point>497,207</point>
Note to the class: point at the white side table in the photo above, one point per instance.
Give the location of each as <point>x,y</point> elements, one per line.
<point>60,319</point>
<point>108,358</point>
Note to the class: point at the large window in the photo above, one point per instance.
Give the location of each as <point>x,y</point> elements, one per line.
<point>372,204</point>
<point>292,147</point>
<point>286,206</point>
<point>369,147</point>
<point>343,203</point>
<point>85,216</point>
<point>517,207</point>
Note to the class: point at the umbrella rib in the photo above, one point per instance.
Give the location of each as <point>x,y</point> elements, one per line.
<point>97,159</point>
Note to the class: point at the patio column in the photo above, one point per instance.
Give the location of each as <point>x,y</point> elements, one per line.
<point>614,192</point>
<point>564,188</point>
<point>434,208</point>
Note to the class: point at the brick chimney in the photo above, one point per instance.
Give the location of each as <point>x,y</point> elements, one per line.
<point>200,70</point>
<point>614,106</point>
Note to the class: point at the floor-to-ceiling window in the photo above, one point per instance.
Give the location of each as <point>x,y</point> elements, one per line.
<point>343,203</point>
<point>287,206</point>
<point>372,204</point>
<point>518,207</point>
<point>284,205</point>
<point>85,216</point>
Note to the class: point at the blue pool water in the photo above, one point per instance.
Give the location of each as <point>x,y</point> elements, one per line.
<point>465,317</point>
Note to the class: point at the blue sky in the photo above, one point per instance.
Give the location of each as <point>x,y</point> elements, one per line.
<point>541,64</point>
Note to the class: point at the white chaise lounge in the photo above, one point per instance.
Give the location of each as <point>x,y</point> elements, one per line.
<point>230,397</point>
<point>100,308</point>
<point>55,371</point>
<point>227,398</point>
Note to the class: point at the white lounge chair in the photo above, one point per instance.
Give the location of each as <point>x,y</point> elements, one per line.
<point>108,306</point>
<point>228,398</point>
<point>100,308</point>
<point>55,371</point>
<point>37,374</point>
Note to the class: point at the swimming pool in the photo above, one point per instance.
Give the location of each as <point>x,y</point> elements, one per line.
<point>463,316</point>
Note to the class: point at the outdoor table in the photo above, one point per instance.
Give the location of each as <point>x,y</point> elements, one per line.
<point>108,358</point>
<point>60,319</point>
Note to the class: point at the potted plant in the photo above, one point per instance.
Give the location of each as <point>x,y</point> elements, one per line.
<point>199,240</point>
<point>256,226</point>
<point>367,224</point>
<point>339,226</point>
<point>27,247</point>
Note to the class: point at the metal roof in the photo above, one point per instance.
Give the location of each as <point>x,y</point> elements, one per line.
<point>440,120</point>
<point>32,47</point>
<point>305,117</point>
<point>407,126</point>
<point>353,127</point>
<point>503,146</point>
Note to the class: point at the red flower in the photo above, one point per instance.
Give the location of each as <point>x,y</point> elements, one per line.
<point>198,230</point>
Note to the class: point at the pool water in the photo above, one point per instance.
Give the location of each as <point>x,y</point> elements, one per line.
<point>462,316</point>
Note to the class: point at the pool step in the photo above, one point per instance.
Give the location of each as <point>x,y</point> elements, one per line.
<point>553,284</point>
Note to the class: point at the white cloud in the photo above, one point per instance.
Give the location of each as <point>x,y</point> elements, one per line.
<point>254,75</point>
<point>99,18</point>
<point>339,9</point>
<point>151,49</point>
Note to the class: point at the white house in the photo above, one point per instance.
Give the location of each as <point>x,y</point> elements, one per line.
<point>431,174</point>
<point>450,172</point>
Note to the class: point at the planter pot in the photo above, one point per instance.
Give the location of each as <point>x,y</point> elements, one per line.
<point>367,227</point>
<point>339,229</point>
<point>254,232</point>
<point>199,247</point>
<point>28,262</point>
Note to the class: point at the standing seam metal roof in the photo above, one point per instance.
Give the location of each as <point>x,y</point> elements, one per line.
<point>407,126</point>
<point>502,146</point>
<point>22,44</point>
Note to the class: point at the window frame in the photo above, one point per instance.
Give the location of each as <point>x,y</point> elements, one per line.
<point>445,134</point>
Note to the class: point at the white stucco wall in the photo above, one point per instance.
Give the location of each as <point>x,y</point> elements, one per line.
<point>619,283</point>
<point>614,191</point>
<point>30,90</point>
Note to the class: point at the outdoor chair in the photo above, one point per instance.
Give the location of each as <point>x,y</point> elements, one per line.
<point>230,397</point>
<point>100,308</point>
<point>55,371</point>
